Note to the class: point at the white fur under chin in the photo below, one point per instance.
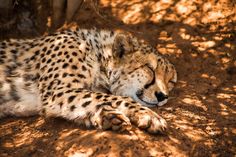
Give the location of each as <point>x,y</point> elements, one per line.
<point>162,102</point>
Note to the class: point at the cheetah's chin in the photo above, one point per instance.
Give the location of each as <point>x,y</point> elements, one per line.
<point>145,103</point>
<point>151,104</point>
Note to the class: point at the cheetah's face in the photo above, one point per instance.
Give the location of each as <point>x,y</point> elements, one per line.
<point>146,77</point>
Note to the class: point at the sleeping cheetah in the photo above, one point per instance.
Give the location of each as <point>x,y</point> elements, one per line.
<point>98,78</point>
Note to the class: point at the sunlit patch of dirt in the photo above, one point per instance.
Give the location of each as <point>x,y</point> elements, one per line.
<point>199,38</point>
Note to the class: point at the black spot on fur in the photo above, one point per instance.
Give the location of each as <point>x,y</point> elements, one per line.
<point>56,75</point>
<point>48,61</point>
<point>106,104</point>
<point>74,67</point>
<point>37,66</point>
<point>126,104</point>
<point>64,74</point>
<point>114,99</point>
<point>66,53</point>
<point>118,103</point>
<point>68,85</point>
<point>49,70</point>
<point>48,52</point>
<point>86,103</point>
<point>71,60</point>
<point>53,55</point>
<point>131,107</point>
<point>59,94</point>
<point>13,51</point>
<point>90,65</point>
<point>81,76</point>
<point>79,90</point>
<point>47,40</point>
<point>65,65</point>
<point>87,95</point>
<point>84,68</point>
<point>42,55</point>
<point>74,54</point>
<point>59,53</point>
<point>37,52</point>
<point>72,108</point>
<point>44,49</point>
<point>68,91</point>
<point>53,97</point>
<point>67,56</point>
<point>60,104</point>
<point>98,97</point>
<point>99,106</point>
<point>71,98</point>
<point>55,68</point>
<point>52,45</point>
<point>75,81</point>
<point>43,60</point>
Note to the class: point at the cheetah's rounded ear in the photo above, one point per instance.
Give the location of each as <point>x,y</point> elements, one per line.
<point>122,45</point>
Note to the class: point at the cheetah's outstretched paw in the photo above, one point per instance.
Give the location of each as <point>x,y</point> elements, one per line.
<point>150,121</point>
<point>112,120</point>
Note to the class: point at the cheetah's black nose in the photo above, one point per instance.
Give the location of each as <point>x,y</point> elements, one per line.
<point>160,96</point>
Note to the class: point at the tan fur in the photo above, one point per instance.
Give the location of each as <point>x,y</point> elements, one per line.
<point>98,78</point>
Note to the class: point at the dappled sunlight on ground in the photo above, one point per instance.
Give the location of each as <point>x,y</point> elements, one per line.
<point>199,38</point>
<point>188,12</point>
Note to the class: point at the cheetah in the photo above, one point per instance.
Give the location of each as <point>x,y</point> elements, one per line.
<point>99,78</point>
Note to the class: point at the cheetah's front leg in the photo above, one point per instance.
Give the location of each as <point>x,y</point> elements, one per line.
<point>142,116</point>
<point>85,107</point>
<point>124,109</point>
<point>102,110</point>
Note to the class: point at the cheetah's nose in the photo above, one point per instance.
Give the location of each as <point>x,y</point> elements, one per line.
<point>160,96</point>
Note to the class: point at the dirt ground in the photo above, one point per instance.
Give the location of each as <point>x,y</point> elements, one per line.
<point>199,38</point>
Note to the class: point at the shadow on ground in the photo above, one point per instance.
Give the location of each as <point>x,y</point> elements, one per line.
<point>199,38</point>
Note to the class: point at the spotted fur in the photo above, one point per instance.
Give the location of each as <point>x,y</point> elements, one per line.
<point>101,78</point>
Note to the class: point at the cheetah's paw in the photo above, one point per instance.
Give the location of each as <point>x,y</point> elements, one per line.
<point>150,121</point>
<point>112,119</point>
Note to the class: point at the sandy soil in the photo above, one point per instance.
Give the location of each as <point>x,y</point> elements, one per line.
<point>199,37</point>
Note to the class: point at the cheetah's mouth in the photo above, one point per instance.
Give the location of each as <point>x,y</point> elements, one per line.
<point>139,97</point>
<point>152,104</point>
<point>149,104</point>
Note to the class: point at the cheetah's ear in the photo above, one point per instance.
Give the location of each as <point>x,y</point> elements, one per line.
<point>122,45</point>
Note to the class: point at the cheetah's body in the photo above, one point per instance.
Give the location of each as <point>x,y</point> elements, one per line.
<point>84,76</point>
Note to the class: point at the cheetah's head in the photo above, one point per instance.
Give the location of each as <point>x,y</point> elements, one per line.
<point>138,71</point>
